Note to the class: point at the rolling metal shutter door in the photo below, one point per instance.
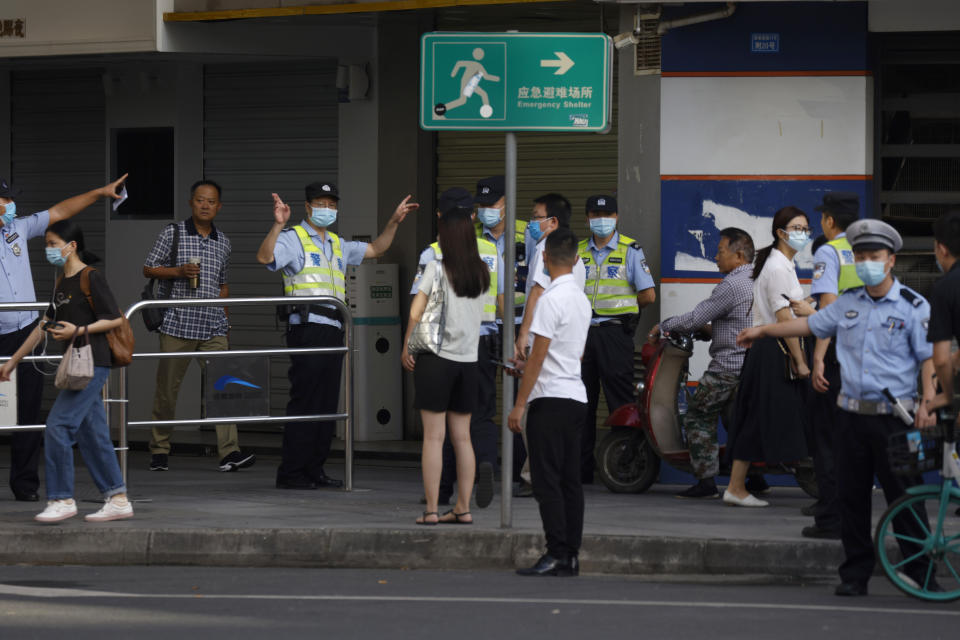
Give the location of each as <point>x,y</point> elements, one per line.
<point>268,127</point>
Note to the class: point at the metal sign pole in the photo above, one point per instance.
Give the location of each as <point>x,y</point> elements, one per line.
<point>509,278</point>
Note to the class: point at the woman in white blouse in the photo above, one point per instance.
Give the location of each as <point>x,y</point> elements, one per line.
<point>770,417</point>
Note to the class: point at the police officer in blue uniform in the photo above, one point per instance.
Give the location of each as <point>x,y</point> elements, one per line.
<point>16,285</point>
<point>880,330</point>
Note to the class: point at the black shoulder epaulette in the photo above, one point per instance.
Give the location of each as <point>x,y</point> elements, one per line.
<point>853,290</point>
<point>636,245</point>
<point>911,296</point>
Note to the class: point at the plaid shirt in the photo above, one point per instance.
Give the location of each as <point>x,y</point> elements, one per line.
<point>193,323</point>
<point>728,310</point>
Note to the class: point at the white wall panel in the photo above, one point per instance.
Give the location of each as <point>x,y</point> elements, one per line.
<point>766,125</point>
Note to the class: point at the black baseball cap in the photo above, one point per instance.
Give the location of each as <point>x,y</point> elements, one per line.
<point>602,203</point>
<point>454,198</point>
<point>322,190</point>
<point>7,190</point>
<point>489,190</point>
<point>839,203</point>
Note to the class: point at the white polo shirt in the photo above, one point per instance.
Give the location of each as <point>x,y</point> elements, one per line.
<point>778,278</point>
<point>538,270</point>
<point>562,315</point>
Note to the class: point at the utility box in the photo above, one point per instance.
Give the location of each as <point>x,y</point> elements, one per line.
<point>373,296</point>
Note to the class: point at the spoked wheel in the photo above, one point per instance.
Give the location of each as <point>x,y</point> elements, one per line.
<point>939,581</point>
<point>626,461</point>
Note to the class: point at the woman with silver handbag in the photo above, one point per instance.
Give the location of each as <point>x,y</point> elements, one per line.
<point>441,350</point>
<point>77,415</point>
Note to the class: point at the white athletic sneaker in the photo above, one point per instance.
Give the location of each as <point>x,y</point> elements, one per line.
<point>57,510</point>
<point>115,508</point>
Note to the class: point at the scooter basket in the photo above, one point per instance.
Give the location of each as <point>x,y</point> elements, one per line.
<point>915,451</point>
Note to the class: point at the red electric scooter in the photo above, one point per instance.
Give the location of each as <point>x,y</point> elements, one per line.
<point>650,430</point>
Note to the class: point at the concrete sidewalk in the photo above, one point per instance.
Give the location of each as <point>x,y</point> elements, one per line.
<point>194,514</point>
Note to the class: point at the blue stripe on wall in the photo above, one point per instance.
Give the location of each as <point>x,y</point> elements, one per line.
<point>813,36</point>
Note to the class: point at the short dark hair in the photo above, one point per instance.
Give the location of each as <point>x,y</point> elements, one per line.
<point>557,207</point>
<point>740,241</point>
<point>561,247</point>
<point>206,183</point>
<point>843,219</point>
<point>818,242</point>
<point>946,231</point>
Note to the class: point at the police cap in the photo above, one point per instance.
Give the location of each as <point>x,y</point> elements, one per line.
<point>454,198</point>
<point>602,203</point>
<point>489,190</point>
<point>7,190</point>
<point>839,203</point>
<point>322,190</point>
<point>871,234</point>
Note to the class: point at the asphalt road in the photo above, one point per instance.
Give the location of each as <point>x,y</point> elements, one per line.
<point>196,602</point>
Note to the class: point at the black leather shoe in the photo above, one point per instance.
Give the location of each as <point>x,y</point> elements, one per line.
<point>26,496</point>
<point>823,533</point>
<point>296,483</point>
<point>705,488</point>
<point>811,509</point>
<point>547,565</point>
<point>327,482</point>
<point>574,565</point>
<point>851,589</point>
<point>525,490</point>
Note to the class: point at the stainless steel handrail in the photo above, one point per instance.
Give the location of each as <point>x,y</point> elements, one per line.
<point>26,306</point>
<point>241,302</point>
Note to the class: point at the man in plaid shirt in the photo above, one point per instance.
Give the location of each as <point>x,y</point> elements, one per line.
<point>203,254</point>
<point>723,315</point>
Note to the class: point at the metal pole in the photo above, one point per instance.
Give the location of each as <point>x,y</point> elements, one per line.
<point>122,393</point>
<point>509,277</point>
<point>348,388</point>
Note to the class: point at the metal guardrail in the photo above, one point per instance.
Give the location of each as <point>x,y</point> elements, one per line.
<point>123,400</point>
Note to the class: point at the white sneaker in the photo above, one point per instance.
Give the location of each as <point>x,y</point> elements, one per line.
<point>113,509</point>
<point>749,501</point>
<point>57,510</point>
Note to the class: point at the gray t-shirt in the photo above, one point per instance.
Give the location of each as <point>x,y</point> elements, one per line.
<point>461,333</point>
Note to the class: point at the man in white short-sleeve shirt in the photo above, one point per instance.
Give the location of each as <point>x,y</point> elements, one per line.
<point>557,398</point>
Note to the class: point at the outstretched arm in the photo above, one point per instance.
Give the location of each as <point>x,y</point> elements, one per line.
<point>72,206</point>
<point>379,246</point>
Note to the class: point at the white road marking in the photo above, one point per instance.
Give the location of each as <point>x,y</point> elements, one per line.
<point>40,592</point>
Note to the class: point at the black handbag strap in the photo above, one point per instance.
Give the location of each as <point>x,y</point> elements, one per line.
<point>172,262</point>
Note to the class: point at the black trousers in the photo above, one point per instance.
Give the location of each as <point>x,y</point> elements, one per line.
<point>823,426</point>
<point>607,362</point>
<point>862,454</point>
<point>483,430</point>
<point>24,445</point>
<point>314,388</point>
<point>554,427</point>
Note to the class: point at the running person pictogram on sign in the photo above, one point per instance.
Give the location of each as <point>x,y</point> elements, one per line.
<point>473,74</point>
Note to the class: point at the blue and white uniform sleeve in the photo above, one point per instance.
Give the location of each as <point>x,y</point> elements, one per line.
<point>826,271</point>
<point>287,253</point>
<point>824,323</point>
<point>353,251</point>
<point>638,272</point>
<point>35,225</point>
<point>918,332</point>
<point>426,257</point>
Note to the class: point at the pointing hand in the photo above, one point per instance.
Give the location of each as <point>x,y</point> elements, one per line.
<point>281,211</point>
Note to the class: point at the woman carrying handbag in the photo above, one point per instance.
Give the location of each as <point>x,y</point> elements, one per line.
<point>78,415</point>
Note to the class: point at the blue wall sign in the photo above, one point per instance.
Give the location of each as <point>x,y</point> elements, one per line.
<point>764,43</point>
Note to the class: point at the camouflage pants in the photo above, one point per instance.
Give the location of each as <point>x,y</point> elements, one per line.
<point>713,394</point>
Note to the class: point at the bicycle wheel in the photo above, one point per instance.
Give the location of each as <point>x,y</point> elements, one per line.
<point>942,551</point>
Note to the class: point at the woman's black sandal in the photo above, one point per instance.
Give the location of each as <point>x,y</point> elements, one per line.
<point>422,520</point>
<point>457,518</point>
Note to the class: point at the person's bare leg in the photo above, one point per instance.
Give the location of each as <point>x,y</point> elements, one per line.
<point>466,462</point>
<point>738,479</point>
<point>431,460</point>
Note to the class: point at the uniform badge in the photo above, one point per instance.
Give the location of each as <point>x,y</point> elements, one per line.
<point>852,314</point>
<point>13,236</point>
<point>644,266</point>
<point>818,270</point>
<point>16,250</point>
<point>616,260</point>
<point>585,260</point>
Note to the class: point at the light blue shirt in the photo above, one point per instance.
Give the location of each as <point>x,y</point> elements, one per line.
<point>429,255</point>
<point>638,273</point>
<point>880,344</point>
<point>16,279</point>
<point>288,258</point>
<point>826,270</point>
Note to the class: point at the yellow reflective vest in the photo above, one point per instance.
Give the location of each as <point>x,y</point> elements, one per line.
<point>319,276</point>
<point>488,253</point>
<point>520,281</point>
<point>607,287</point>
<point>847,278</point>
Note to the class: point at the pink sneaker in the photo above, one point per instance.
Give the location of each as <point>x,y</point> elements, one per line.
<point>57,510</point>
<point>114,509</point>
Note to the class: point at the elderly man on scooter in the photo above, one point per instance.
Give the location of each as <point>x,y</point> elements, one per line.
<point>722,316</point>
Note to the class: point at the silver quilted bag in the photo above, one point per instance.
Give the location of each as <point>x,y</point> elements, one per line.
<point>427,336</point>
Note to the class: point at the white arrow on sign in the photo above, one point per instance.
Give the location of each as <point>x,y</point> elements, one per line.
<point>563,63</point>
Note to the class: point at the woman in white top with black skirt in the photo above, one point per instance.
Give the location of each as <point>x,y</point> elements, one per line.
<point>446,383</point>
<point>770,417</point>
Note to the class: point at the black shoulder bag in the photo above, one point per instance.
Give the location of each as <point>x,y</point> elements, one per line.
<point>153,316</point>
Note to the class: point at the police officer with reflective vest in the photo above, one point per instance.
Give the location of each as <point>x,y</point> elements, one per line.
<point>618,286</point>
<point>834,272</point>
<point>313,261</point>
<point>881,333</point>
<point>484,432</point>
<point>491,205</point>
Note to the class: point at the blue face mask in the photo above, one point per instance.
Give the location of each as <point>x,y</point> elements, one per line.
<point>872,272</point>
<point>323,216</point>
<point>56,257</point>
<point>534,229</point>
<point>603,227</point>
<point>489,217</point>
<point>10,212</point>
<point>798,240</point>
